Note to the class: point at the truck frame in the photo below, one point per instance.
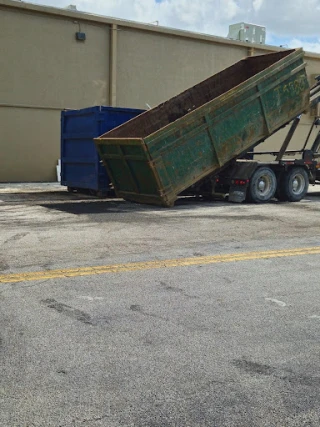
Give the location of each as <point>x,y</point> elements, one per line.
<point>286,179</point>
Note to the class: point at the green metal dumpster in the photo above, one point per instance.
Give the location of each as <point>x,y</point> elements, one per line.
<point>157,155</point>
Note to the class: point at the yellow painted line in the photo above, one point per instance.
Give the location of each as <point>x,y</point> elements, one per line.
<point>148,265</point>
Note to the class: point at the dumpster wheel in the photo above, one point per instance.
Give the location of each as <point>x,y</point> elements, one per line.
<point>263,185</point>
<point>71,190</point>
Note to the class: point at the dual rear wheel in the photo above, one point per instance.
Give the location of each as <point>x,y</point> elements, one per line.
<point>291,185</point>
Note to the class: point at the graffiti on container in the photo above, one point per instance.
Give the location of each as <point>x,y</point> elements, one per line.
<point>295,87</point>
<point>292,90</point>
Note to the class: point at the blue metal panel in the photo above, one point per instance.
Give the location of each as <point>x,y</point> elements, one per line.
<point>80,162</point>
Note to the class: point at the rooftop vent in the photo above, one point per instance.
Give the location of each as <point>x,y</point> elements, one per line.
<point>250,33</point>
<point>71,7</point>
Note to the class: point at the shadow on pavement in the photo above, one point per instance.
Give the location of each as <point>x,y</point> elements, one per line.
<point>95,207</point>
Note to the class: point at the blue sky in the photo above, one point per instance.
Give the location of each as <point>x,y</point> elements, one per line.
<point>293,23</point>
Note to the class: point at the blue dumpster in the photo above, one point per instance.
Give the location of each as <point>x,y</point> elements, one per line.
<point>81,168</point>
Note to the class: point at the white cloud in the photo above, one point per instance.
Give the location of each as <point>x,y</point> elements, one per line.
<point>257,5</point>
<point>308,46</point>
<point>287,19</point>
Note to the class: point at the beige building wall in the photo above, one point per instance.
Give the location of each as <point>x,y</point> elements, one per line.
<point>153,67</point>
<point>29,144</point>
<point>44,70</point>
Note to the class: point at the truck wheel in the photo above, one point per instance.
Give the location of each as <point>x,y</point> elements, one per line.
<point>263,185</point>
<point>294,185</point>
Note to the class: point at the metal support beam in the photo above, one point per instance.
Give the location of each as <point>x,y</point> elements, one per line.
<point>288,138</point>
<point>309,134</point>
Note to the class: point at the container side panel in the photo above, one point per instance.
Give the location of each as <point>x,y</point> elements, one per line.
<point>236,132</point>
<point>270,92</point>
<point>79,122</point>
<point>80,166</point>
<point>81,175</point>
<point>168,137</point>
<point>130,168</point>
<point>78,148</point>
<point>80,162</point>
<point>185,162</point>
<point>121,175</point>
<point>144,177</point>
<point>286,98</point>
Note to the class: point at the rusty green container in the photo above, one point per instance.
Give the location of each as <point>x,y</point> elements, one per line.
<point>157,155</point>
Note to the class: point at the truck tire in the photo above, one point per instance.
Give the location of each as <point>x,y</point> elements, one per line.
<point>263,185</point>
<point>293,185</point>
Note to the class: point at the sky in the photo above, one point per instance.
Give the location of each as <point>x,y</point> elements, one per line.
<point>290,23</point>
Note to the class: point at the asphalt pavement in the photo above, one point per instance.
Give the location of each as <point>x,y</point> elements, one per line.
<point>117,314</point>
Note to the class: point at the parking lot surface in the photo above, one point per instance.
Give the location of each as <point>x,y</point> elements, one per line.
<point>118,314</point>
